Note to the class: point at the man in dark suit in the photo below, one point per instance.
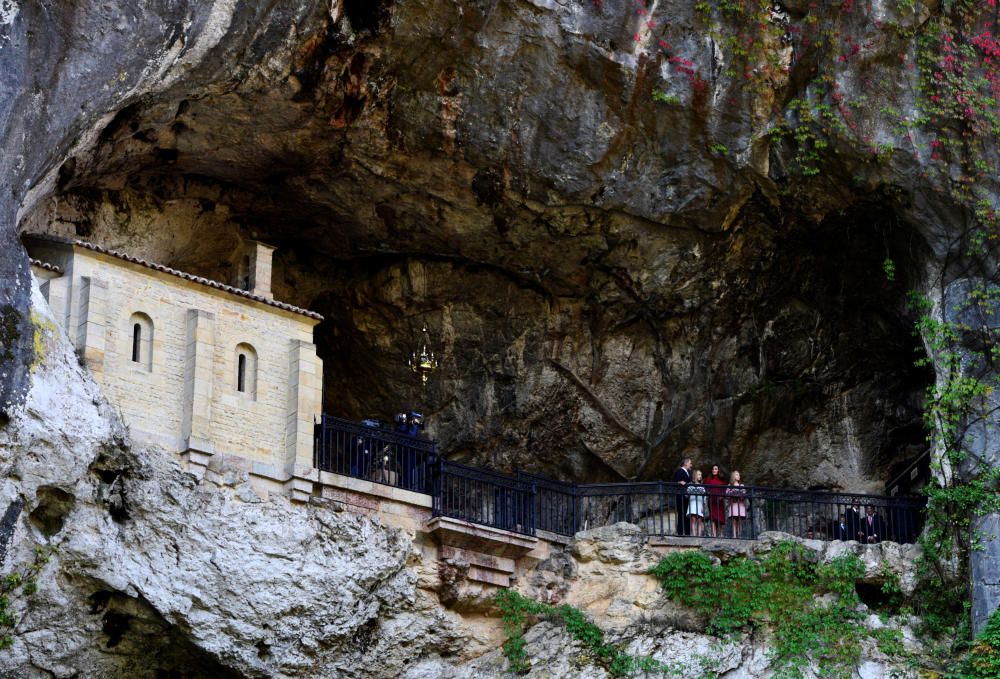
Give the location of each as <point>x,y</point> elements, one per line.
<point>872,526</point>
<point>852,517</point>
<point>840,530</point>
<point>682,477</point>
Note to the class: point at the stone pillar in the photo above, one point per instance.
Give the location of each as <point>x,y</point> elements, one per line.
<point>198,376</point>
<point>260,269</point>
<point>305,393</point>
<point>57,295</point>
<point>984,569</point>
<point>91,322</point>
<point>981,440</point>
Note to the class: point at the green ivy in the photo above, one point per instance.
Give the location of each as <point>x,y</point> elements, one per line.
<point>984,658</point>
<point>957,400</point>
<point>664,98</point>
<point>782,592</point>
<point>515,611</point>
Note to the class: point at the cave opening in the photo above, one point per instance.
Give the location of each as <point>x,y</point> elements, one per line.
<point>576,342</point>
<point>802,375</point>
<point>366,15</point>
<point>835,392</point>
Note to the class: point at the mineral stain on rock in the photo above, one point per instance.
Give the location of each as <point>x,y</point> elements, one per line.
<point>8,524</point>
<point>9,332</point>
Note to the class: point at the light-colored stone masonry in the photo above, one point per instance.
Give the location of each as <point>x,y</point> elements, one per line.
<point>185,398</point>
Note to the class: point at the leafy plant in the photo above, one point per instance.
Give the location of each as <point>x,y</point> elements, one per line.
<point>782,591</point>
<point>966,487</point>
<point>516,609</point>
<point>663,97</point>
<point>890,641</point>
<point>23,579</point>
<point>889,267</point>
<point>984,658</point>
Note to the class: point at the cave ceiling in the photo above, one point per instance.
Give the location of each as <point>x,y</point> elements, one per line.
<point>610,283</point>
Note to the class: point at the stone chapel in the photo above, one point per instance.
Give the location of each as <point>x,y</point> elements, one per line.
<point>200,368</point>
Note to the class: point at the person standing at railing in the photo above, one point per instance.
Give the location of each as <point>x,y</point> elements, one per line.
<point>840,530</point>
<point>359,458</point>
<point>716,502</point>
<point>697,504</point>
<point>872,526</point>
<point>737,503</point>
<point>683,477</point>
<point>853,518</point>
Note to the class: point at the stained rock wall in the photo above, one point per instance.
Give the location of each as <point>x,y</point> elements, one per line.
<point>631,237</point>
<point>605,291</point>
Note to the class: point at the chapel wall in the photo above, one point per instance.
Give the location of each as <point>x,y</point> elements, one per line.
<point>155,401</point>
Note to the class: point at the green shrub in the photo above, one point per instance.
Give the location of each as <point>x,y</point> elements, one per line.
<point>782,591</point>
<point>515,609</point>
<point>984,658</point>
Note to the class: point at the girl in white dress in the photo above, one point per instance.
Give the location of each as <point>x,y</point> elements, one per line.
<point>697,503</point>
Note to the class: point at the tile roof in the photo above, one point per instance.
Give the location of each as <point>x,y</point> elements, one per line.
<point>174,272</point>
<point>45,265</point>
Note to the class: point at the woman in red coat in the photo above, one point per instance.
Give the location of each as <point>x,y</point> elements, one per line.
<point>715,485</point>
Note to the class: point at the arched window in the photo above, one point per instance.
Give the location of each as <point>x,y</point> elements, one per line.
<point>136,342</point>
<point>246,370</point>
<point>140,327</point>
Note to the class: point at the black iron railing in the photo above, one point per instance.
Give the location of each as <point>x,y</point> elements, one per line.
<point>555,503</point>
<point>525,502</point>
<point>484,497</point>
<point>373,453</point>
<point>742,512</point>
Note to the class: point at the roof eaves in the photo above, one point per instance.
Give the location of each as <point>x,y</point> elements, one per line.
<point>174,272</point>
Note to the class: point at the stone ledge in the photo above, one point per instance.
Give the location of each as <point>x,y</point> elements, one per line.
<point>483,539</point>
<point>713,545</point>
<point>488,577</point>
<point>493,563</point>
<point>554,538</point>
<point>484,568</point>
<point>376,489</point>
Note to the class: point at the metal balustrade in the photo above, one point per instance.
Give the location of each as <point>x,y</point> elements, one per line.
<point>387,457</point>
<point>554,502</point>
<point>484,497</point>
<point>663,509</point>
<point>525,502</point>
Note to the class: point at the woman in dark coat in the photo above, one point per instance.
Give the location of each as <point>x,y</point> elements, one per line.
<point>716,486</point>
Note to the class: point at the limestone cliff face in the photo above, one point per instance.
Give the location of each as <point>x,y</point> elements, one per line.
<point>612,280</point>
<point>150,573</point>
<point>634,231</point>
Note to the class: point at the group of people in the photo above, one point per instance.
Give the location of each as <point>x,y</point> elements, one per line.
<point>708,505</point>
<point>853,525</point>
<point>392,463</point>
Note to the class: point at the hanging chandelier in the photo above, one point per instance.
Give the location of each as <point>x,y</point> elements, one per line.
<point>423,362</point>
